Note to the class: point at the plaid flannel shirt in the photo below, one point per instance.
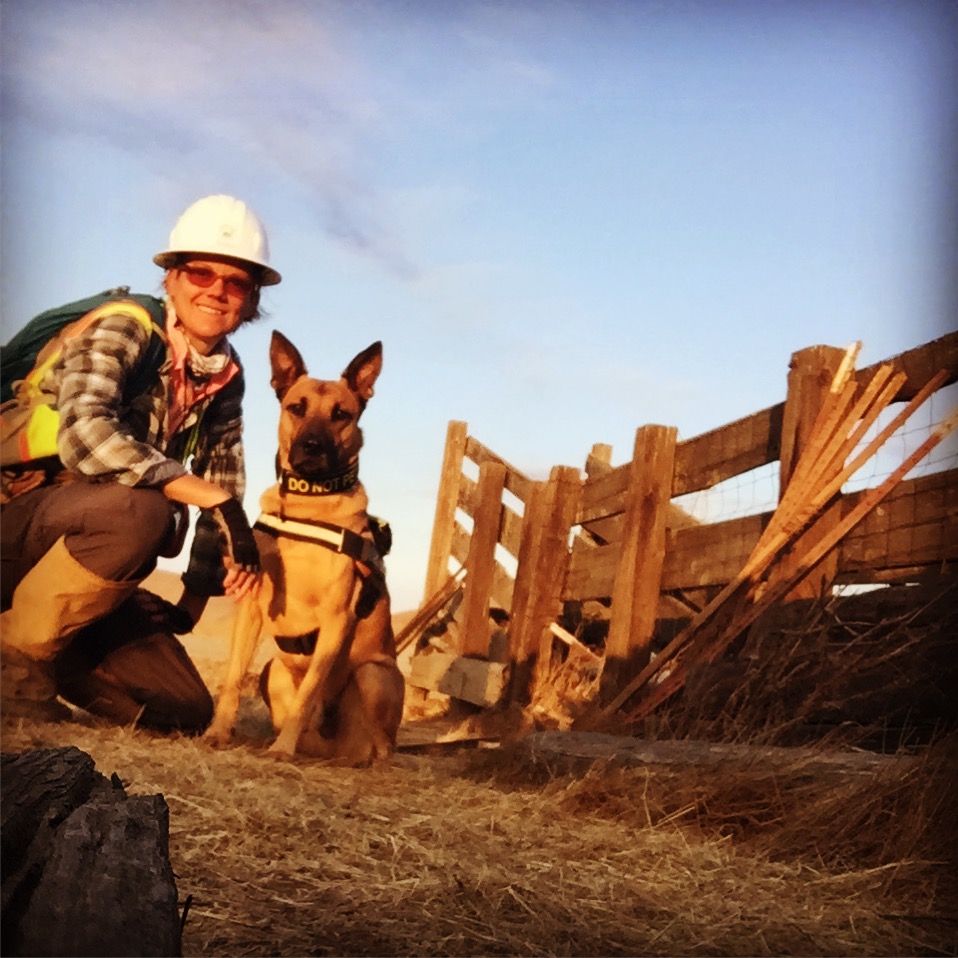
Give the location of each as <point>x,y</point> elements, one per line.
<point>107,435</point>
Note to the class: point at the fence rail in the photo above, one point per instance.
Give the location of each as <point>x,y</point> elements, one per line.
<point>615,535</point>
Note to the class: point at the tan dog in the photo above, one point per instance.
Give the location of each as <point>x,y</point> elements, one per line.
<point>334,690</point>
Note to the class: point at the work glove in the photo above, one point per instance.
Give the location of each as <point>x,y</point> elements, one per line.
<point>238,538</point>
<point>166,616</point>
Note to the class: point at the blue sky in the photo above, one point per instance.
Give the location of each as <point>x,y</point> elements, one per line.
<point>563,219</point>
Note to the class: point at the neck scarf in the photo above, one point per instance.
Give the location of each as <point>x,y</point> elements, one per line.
<point>194,377</point>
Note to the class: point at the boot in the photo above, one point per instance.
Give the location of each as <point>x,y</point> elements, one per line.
<point>54,599</point>
<point>28,689</point>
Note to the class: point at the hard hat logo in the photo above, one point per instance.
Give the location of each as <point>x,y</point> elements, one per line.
<point>220,226</point>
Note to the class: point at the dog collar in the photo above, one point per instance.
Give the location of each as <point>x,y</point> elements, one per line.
<point>289,482</point>
<point>326,534</point>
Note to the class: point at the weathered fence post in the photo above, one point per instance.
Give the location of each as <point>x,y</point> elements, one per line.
<point>447,499</point>
<point>810,375</point>
<point>481,560</point>
<point>638,576</point>
<point>599,460</point>
<point>542,562</point>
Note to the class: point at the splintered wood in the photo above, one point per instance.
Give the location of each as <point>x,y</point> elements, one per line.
<point>795,539</point>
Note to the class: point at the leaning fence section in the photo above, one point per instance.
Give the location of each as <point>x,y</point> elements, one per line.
<point>510,555</point>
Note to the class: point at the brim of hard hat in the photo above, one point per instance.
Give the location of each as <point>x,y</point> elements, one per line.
<point>169,258</point>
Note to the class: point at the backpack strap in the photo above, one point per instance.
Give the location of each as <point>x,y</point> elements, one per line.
<point>31,421</point>
<point>48,356</point>
<point>19,356</point>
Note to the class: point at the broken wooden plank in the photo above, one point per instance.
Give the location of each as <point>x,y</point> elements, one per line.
<point>742,599</point>
<point>468,679</point>
<point>773,590</point>
<point>428,611</point>
<point>579,751</point>
<point>481,561</point>
<point>447,499</point>
<point>563,635</point>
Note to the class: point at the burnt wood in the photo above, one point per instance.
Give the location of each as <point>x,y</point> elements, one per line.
<point>85,867</point>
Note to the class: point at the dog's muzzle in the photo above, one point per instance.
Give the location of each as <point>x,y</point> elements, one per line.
<point>315,453</point>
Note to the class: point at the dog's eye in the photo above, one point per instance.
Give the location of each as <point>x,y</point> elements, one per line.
<point>341,415</point>
<point>298,408</point>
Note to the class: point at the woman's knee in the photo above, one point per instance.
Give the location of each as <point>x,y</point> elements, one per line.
<point>123,668</point>
<point>122,531</point>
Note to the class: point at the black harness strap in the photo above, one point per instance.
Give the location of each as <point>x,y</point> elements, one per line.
<point>361,550</point>
<point>298,644</point>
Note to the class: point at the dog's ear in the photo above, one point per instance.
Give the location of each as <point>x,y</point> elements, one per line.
<point>285,362</point>
<point>361,374</point>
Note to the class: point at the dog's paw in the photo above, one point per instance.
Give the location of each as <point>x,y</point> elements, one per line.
<point>283,748</point>
<point>218,737</point>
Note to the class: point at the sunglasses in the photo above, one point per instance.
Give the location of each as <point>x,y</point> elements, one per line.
<point>203,277</point>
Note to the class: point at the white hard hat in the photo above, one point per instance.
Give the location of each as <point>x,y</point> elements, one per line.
<point>220,226</point>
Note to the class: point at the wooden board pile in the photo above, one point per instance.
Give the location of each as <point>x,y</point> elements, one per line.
<point>797,538</point>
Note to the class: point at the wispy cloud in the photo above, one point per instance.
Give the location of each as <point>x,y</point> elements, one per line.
<point>271,85</point>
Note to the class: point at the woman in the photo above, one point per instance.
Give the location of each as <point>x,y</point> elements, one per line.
<point>75,549</point>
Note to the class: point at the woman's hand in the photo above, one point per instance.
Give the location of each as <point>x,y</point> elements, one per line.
<point>241,582</point>
<point>241,557</point>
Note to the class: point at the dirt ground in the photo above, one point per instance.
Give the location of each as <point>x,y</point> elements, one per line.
<point>499,851</point>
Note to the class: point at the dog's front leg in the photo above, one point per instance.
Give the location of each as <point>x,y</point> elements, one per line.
<point>246,631</point>
<point>335,634</point>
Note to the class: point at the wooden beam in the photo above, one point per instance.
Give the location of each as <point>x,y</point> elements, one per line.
<point>706,460</point>
<point>470,680</point>
<point>709,555</point>
<point>516,482</point>
<point>481,562</point>
<point>917,526</point>
<point>604,495</point>
<point>599,460</point>
<point>543,561</point>
<point>919,365</point>
<point>591,572</point>
<point>811,375</point>
<point>638,577</point>
<point>443,526</point>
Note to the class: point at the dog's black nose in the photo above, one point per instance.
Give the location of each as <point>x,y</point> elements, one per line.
<point>311,454</point>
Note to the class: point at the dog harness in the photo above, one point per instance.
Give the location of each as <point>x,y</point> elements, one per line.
<point>326,534</point>
<point>361,550</point>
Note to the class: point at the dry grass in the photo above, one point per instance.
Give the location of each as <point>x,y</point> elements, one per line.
<point>489,853</point>
<point>497,852</point>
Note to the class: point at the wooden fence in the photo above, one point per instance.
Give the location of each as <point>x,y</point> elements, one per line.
<point>512,551</point>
